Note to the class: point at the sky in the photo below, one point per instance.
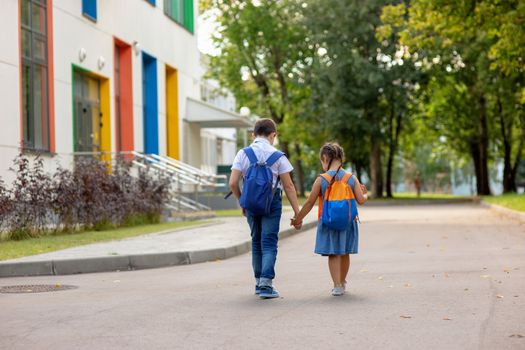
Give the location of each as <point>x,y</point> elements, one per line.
<point>206,26</point>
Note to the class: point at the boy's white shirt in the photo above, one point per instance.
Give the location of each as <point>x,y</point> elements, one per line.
<point>262,149</point>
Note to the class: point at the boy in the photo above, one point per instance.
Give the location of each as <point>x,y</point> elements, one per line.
<point>265,228</point>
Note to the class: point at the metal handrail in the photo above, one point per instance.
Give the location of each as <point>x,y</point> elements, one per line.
<point>179,172</point>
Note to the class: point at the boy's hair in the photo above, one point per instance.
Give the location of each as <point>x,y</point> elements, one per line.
<point>264,127</point>
<point>332,151</point>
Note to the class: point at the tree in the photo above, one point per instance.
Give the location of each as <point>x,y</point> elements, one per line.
<point>263,51</point>
<point>460,39</point>
<point>346,80</point>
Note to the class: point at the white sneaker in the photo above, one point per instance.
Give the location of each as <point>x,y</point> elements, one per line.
<point>338,291</point>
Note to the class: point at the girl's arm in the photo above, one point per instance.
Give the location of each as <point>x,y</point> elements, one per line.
<point>310,202</point>
<point>360,192</point>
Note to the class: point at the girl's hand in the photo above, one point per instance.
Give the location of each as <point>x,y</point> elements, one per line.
<point>296,223</point>
<point>363,189</point>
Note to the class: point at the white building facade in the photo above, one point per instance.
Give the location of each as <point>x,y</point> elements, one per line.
<point>104,76</point>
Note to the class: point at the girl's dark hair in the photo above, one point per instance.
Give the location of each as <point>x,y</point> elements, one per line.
<point>264,127</point>
<point>332,151</point>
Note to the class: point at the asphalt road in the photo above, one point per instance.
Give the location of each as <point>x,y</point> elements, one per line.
<point>426,277</point>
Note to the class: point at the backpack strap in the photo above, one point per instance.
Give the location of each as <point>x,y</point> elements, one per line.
<point>346,177</point>
<point>326,177</point>
<point>251,155</point>
<point>274,157</point>
<point>351,182</point>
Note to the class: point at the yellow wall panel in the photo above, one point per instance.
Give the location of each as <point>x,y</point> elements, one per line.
<point>172,113</point>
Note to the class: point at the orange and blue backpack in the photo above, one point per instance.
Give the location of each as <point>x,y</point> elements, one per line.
<point>337,204</point>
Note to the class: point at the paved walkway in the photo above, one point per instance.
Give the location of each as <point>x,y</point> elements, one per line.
<point>221,239</point>
<point>428,277</point>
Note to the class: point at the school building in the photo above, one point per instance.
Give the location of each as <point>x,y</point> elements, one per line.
<point>109,76</point>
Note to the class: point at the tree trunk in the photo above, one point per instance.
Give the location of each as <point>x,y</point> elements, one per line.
<point>474,152</point>
<point>298,173</point>
<point>300,170</point>
<point>376,172</point>
<point>392,149</point>
<point>509,183</point>
<point>483,179</point>
<point>517,161</point>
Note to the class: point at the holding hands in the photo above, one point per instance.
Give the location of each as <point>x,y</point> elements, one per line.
<point>296,223</point>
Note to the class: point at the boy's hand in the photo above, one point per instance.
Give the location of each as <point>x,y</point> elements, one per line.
<point>243,211</point>
<point>296,224</point>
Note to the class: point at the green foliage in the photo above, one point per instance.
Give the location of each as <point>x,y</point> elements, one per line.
<point>263,52</point>
<point>92,196</point>
<point>470,94</point>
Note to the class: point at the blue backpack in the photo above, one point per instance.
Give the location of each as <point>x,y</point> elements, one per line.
<point>257,190</point>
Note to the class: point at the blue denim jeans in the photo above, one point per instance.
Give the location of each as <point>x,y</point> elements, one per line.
<point>265,234</point>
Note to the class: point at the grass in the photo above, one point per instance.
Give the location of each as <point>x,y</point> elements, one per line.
<point>45,244</point>
<point>301,200</point>
<point>511,201</point>
<point>228,213</point>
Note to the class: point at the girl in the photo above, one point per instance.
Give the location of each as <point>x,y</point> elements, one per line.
<point>336,244</point>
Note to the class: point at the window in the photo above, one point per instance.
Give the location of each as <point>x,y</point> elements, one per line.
<point>35,87</point>
<point>181,11</point>
<point>89,9</point>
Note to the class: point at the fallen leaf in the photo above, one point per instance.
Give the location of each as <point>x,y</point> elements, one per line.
<point>485,276</point>
<point>447,319</point>
<point>446,274</point>
<point>507,270</point>
<point>116,281</point>
<point>515,296</point>
<point>405,316</point>
<point>433,276</point>
<point>57,285</point>
<point>466,289</point>
<point>391,286</point>
<point>218,261</point>
<point>499,296</point>
<point>516,336</point>
<point>408,285</point>
<point>363,270</point>
<point>380,278</point>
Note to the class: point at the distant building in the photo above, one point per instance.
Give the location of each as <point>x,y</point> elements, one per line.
<point>108,76</point>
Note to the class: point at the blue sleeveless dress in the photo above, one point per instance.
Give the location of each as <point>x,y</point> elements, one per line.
<point>335,242</point>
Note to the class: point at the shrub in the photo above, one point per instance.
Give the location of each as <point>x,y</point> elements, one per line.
<point>31,198</point>
<point>5,206</point>
<point>91,196</point>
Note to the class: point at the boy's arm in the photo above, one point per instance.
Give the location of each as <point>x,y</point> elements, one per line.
<point>289,189</point>
<point>360,192</point>
<point>310,202</point>
<point>235,178</point>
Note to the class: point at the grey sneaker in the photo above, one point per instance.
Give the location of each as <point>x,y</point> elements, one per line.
<point>268,292</point>
<point>338,291</point>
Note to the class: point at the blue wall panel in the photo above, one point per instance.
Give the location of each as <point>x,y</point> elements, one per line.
<point>150,104</point>
<point>89,9</point>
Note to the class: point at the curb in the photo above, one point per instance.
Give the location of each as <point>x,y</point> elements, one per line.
<point>131,262</point>
<point>513,214</point>
<point>408,202</point>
